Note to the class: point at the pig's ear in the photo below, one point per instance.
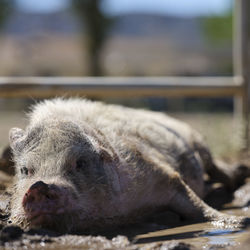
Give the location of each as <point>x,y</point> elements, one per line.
<point>15,135</point>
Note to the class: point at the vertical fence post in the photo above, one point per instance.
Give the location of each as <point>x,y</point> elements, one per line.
<point>241,57</point>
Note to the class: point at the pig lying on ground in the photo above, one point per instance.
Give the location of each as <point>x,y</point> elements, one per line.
<point>82,165</point>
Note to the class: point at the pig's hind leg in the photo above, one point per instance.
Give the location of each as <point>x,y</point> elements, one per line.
<point>231,175</point>
<point>186,203</point>
<point>178,197</point>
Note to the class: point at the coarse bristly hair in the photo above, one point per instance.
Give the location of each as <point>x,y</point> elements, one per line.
<point>106,165</point>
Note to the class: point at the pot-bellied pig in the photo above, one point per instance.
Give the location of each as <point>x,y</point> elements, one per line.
<point>83,165</point>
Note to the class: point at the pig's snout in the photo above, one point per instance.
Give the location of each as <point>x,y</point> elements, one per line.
<point>42,202</point>
<point>39,192</point>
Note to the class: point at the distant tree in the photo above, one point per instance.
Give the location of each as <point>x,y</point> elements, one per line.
<point>218,29</point>
<point>6,6</point>
<point>96,26</point>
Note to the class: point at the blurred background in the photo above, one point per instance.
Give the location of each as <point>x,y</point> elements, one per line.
<point>116,37</point>
<point>124,38</point>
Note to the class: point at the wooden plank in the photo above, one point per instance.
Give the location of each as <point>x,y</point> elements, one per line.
<point>42,87</point>
<point>242,58</point>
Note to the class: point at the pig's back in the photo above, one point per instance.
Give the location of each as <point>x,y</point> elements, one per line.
<point>128,130</point>
<point>118,122</point>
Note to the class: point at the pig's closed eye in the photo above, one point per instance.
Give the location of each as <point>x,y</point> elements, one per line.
<point>26,171</point>
<point>81,164</point>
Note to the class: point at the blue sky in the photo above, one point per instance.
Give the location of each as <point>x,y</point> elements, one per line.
<point>174,7</point>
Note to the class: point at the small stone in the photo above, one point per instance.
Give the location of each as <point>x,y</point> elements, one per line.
<point>10,233</point>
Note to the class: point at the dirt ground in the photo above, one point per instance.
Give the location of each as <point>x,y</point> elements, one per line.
<point>162,231</point>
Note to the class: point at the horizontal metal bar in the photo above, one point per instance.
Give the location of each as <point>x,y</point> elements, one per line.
<point>41,87</point>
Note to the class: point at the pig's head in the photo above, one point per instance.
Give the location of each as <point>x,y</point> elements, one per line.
<point>62,176</point>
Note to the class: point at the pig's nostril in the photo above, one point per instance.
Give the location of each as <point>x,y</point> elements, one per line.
<point>29,197</point>
<point>49,197</point>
